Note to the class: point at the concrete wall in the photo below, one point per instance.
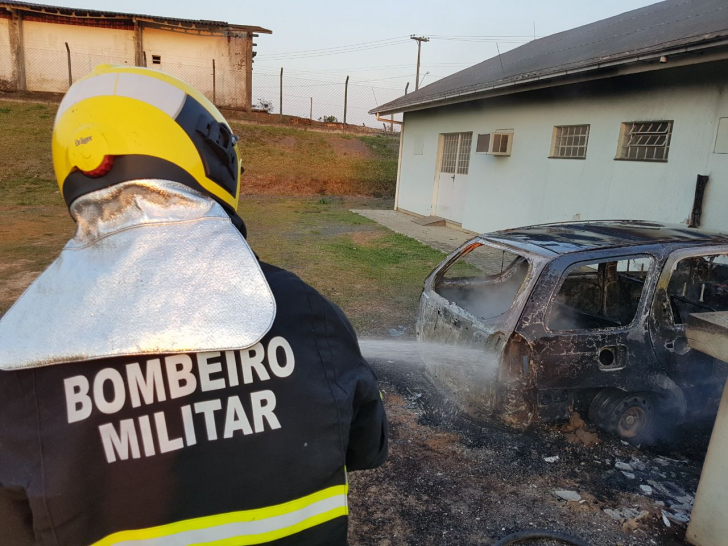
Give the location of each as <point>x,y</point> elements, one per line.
<point>190,58</point>
<point>528,187</point>
<point>708,524</point>
<point>185,55</point>
<point>6,58</point>
<point>46,60</point>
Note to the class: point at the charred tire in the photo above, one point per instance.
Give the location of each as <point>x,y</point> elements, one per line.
<point>633,416</point>
<point>602,407</point>
<point>636,418</point>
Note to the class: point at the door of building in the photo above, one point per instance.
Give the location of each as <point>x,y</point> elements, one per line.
<point>453,176</point>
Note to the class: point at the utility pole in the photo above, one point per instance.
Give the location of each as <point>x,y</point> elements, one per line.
<point>419,40</point>
<point>346,99</point>
<point>281,95</point>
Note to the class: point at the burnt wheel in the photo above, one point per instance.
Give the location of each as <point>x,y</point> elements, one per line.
<point>636,418</point>
<point>602,406</point>
<point>632,416</point>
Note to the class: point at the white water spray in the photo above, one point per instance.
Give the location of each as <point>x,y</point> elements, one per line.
<point>411,355</point>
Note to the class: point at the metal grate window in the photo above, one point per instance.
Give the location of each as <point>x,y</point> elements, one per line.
<point>645,141</point>
<point>450,153</point>
<point>456,153</point>
<point>570,141</point>
<point>466,139</point>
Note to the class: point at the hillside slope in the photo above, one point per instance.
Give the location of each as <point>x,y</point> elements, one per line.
<point>277,160</point>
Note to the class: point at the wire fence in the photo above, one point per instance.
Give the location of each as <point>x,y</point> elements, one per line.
<point>54,70</point>
<point>6,67</point>
<point>322,100</point>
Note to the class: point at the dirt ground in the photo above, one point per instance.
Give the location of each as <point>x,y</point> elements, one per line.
<point>449,481</point>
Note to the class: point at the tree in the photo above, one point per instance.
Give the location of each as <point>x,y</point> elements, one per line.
<point>329,119</point>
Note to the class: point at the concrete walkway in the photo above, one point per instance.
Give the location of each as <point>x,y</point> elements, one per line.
<point>441,238</point>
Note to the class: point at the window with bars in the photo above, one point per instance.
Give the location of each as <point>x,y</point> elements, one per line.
<point>456,153</point>
<point>570,141</point>
<point>645,141</point>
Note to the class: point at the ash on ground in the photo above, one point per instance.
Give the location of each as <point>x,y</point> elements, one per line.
<point>449,481</point>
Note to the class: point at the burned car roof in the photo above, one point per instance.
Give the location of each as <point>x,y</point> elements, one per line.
<point>568,237</point>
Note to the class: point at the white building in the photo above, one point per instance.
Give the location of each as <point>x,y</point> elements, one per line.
<point>46,48</point>
<point>613,120</point>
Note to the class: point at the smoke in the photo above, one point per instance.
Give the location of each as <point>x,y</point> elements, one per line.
<point>486,298</point>
<point>447,381</point>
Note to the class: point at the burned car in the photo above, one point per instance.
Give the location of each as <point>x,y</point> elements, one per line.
<point>586,316</point>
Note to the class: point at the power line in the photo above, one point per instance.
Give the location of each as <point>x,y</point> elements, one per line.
<point>491,36</point>
<point>365,46</point>
<point>327,74</point>
<point>341,46</point>
<point>327,83</point>
<point>485,41</point>
<point>364,68</point>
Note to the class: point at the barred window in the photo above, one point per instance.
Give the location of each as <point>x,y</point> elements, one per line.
<point>456,153</point>
<point>570,141</point>
<point>645,141</point>
<point>466,140</point>
<point>450,153</point>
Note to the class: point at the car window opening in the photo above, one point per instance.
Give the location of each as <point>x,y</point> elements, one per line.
<point>484,281</point>
<point>600,295</point>
<point>698,284</point>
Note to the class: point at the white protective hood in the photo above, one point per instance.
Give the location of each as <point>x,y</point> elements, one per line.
<point>154,267</point>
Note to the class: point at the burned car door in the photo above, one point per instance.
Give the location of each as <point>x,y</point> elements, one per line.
<point>694,280</point>
<point>586,321</point>
<point>472,301</point>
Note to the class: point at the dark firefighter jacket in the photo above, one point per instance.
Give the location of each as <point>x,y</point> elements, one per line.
<point>231,448</point>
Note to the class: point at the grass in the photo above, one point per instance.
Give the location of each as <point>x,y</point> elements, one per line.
<point>34,222</point>
<point>285,161</point>
<point>374,275</point>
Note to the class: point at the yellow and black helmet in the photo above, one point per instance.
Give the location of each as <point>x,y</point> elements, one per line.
<point>124,123</point>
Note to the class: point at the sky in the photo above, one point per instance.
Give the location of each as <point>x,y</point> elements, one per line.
<point>322,41</point>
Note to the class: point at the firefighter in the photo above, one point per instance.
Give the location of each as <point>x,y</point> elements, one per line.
<point>159,384</point>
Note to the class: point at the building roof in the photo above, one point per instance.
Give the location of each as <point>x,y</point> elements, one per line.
<point>567,237</point>
<point>41,9</point>
<point>637,36</point>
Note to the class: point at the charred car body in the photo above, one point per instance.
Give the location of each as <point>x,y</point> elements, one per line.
<point>587,316</point>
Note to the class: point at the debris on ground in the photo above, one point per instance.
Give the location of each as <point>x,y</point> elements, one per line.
<point>399,331</point>
<point>622,514</point>
<point>575,431</point>
<point>479,483</point>
<point>571,496</point>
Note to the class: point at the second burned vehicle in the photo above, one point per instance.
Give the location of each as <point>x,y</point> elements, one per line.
<point>587,316</point>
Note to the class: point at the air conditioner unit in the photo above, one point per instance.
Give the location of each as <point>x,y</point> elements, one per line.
<point>497,143</point>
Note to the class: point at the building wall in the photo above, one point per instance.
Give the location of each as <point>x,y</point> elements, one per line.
<point>46,59</point>
<point>190,57</point>
<point>528,187</point>
<point>7,76</point>
<point>186,55</point>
